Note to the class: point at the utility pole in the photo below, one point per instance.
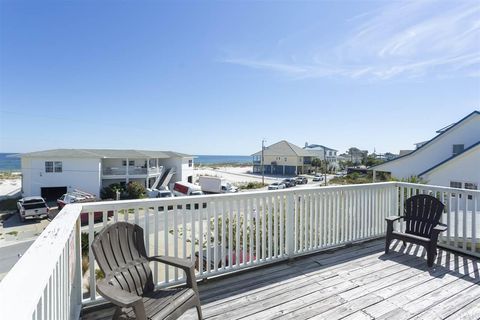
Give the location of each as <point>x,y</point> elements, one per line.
<point>263,171</point>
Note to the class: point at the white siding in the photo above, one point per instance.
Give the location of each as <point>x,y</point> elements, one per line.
<point>81,173</point>
<point>465,168</point>
<point>467,133</point>
<point>183,171</point>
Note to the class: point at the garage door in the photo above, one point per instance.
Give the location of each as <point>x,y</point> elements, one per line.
<point>53,193</point>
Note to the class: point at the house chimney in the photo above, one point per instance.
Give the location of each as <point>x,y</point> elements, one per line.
<point>306,144</point>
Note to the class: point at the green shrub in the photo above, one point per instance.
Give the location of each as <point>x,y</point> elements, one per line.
<point>252,185</point>
<point>135,190</point>
<point>110,192</point>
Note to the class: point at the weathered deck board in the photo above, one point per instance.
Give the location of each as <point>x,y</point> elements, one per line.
<point>357,282</point>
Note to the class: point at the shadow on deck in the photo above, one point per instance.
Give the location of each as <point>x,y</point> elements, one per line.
<point>357,282</point>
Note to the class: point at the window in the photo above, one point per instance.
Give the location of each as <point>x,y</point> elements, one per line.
<point>124,163</point>
<point>131,163</point>
<point>58,166</point>
<point>471,186</point>
<point>457,148</point>
<point>190,163</point>
<point>285,159</point>
<point>53,166</point>
<point>48,166</point>
<point>455,184</point>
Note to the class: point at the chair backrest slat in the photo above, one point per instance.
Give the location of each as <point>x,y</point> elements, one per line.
<point>120,252</point>
<point>422,214</point>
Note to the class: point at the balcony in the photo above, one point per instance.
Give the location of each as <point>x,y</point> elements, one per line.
<point>320,249</point>
<point>116,172</point>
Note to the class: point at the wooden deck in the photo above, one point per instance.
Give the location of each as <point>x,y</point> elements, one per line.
<point>358,282</point>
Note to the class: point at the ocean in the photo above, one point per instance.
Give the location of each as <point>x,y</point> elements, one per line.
<point>211,159</point>
<point>8,163</point>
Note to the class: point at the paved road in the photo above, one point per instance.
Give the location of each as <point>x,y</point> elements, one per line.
<point>9,255</point>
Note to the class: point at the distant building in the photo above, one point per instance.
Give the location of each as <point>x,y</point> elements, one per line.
<point>404,152</point>
<point>387,156</point>
<point>451,158</point>
<point>283,158</point>
<point>324,153</point>
<point>52,173</point>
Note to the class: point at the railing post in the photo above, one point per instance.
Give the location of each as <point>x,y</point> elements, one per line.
<point>290,224</point>
<point>77,281</point>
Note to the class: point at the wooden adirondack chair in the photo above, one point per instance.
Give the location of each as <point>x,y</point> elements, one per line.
<point>422,227</point>
<point>120,252</point>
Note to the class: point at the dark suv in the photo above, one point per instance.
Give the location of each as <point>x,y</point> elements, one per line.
<point>289,182</point>
<point>301,180</point>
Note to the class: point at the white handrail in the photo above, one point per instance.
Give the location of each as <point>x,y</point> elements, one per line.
<point>46,283</point>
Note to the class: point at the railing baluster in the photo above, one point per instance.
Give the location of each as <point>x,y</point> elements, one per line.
<point>275,226</point>
<point>464,221</point>
<point>237,233</point>
<point>244,207</point>
<point>257,229</point>
<point>165,240</point>
<point>281,217</point>
<point>91,259</point>
<point>208,234</point>
<point>175,239</point>
<point>475,204</point>
<point>268,203</point>
<point>155,244</point>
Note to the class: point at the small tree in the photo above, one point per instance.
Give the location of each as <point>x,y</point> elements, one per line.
<point>135,190</point>
<point>110,192</point>
<point>316,162</point>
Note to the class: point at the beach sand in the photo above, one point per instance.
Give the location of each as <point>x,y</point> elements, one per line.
<point>10,188</point>
<point>235,175</point>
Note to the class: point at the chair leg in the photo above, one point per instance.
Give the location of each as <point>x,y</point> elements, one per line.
<point>387,244</point>
<point>117,314</point>
<point>199,312</point>
<point>432,252</point>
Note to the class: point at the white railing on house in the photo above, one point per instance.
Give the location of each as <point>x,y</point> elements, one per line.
<point>225,233</point>
<point>222,233</point>
<point>461,215</point>
<point>46,283</point>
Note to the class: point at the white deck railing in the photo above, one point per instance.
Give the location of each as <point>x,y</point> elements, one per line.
<point>461,215</point>
<point>46,283</point>
<point>225,232</point>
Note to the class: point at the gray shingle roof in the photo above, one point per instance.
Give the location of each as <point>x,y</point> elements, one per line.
<point>103,153</point>
<point>284,148</point>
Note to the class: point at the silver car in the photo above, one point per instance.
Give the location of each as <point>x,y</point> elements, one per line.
<point>276,186</point>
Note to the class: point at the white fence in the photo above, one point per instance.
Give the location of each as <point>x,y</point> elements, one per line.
<point>461,215</point>
<point>222,233</point>
<point>225,233</point>
<point>46,282</point>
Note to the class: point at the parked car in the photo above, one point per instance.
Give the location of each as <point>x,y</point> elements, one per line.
<point>276,186</point>
<point>317,178</point>
<point>301,180</point>
<point>289,182</point>
<point>32,207</point>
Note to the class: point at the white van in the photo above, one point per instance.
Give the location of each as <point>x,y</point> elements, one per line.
<point>181,189</point>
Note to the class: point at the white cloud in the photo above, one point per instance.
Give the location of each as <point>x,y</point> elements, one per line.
<point>409,39</point>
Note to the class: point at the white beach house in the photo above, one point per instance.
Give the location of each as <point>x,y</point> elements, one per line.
<point>451,158</point>
<point>324,153</point>
<point>51,173</point>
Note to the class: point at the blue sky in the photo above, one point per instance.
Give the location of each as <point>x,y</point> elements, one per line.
<point>217,77</point>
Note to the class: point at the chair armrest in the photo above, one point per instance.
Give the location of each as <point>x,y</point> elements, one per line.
<point>117,296</point>
<point>187,265</point>
<point>184,264</point>
<point>393,218</point>
<point>440,227</point>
